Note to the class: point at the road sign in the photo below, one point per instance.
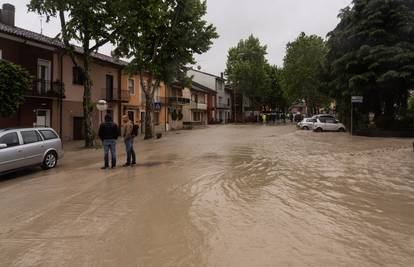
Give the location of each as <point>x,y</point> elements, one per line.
<point>357,99</point>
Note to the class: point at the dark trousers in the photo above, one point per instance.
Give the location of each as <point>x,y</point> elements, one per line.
<point>129,146</point>
<point>109,145</point>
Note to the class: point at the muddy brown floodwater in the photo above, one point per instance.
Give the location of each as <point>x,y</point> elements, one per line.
<point>221,196</point>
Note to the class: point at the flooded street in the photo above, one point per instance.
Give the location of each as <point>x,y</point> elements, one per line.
<point>221,196</point>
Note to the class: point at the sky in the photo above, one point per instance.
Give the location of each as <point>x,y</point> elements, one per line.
<point>274,22</point>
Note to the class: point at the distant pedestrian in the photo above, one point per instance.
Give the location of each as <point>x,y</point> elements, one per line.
<point>284,117</point>
<point>108,133</point>
<point>128,133</point>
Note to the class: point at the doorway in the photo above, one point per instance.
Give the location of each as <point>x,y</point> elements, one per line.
<point>43,118</point>
<point>78,128</point>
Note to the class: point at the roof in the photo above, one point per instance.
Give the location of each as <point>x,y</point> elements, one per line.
<point>206,73</point>
<point>55,42</point>
<point>201,88</point>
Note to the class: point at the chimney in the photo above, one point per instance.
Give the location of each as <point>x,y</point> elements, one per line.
<point>7,14</point>
<point>222,75</point>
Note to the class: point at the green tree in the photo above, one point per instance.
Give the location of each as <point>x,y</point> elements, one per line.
<point>90,23</point>
<point>371,53</point>
<point>161,38</point>
<point>272,92</point>
<point>14,81</point>
<point>246,68</point>
<point>302,71</point>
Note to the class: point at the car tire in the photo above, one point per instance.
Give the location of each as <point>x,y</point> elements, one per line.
<point>319,130</point>
<point>305,128</point>
<point>342,130</point>
<point>49,161</point>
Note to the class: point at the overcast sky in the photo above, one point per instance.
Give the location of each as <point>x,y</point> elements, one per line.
<point>274,22</point>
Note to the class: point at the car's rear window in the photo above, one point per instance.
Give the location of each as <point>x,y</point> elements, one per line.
<point>48,134</point>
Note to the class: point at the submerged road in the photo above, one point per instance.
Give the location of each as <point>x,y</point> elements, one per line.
<point>221,196</point>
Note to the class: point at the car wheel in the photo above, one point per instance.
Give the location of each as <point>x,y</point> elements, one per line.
<point>319,130</point>
<point>305,128</point>
<point>49,161</point>
<point>342,130</point>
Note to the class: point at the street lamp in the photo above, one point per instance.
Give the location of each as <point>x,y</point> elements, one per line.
<point>101,105</point>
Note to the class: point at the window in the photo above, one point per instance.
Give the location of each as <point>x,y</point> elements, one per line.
<point>48,134</point>
<point>78,77</point>
<point>131,86</point>
<point>197,116</point>
<point>228,102</point>
<point>10,139</point>
<point>30,137</point>
<point>220,102</point>
<point>43,76</point>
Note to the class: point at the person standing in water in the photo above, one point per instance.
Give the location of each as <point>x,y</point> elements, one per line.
<point>108,133</point>
<point>128,134</point>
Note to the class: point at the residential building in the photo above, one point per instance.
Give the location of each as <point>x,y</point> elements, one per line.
<point>196,113</point>
<point>135,107</point>
<point>222,111</point>
<point>176,104</point>
<point>56,97</point>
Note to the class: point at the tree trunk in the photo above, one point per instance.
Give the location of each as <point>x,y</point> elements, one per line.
<point>87,104</point>
<point>242,108</point>
<point>148,116</point>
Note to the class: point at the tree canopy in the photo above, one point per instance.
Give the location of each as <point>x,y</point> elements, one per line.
<point>14,81</point>
<point>302,71</point>
<point>371,53</point>
<point>246,66</point>
<point>161,38</point>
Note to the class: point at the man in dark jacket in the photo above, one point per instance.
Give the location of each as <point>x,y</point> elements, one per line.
<point>109,132</point>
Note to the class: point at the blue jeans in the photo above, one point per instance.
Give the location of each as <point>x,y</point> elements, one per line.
<point>109,145</point>
<point>129,146</point>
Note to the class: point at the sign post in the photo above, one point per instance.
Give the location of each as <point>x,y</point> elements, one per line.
<point>354,99</point>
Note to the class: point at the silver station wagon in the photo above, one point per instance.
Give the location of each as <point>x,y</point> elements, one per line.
<point>25,147</point>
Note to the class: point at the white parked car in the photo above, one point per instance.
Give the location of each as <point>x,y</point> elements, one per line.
<point>328,124</point>
<point>307,123</point>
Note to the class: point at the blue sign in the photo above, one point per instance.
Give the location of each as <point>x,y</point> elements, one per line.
<point>157,105</point>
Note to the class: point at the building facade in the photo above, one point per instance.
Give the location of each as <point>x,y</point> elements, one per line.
<point>222,111</point>
<point>56,97</point>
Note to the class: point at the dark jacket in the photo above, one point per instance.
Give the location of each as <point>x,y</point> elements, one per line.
<point>108,130</point>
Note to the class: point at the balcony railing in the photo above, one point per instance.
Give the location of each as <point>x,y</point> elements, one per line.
<point>181,101</point>
<point>198,106</point>
<point>46,88</point>
<point>115,95</point>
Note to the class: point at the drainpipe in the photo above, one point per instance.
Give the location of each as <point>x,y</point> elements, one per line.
<point>165,107</point>
<point>61,96</point>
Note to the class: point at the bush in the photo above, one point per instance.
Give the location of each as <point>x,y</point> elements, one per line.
<point>14,82</point>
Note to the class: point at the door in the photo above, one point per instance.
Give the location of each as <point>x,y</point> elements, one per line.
<point>109,87</point>
<point>131,115</point>
<point>33,147</point>
<point>43,76</point>
<point>12,156</point>
<point>43,117</point>
<point>78,128</point>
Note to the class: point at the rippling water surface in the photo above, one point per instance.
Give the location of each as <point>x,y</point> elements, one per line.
<point>226,196</point>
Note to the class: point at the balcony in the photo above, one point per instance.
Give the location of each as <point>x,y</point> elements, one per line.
<point>198,106</point>
<point>46,88</point>
<point>115,95</point>
<point>178,101</point>
<point>223,106</point>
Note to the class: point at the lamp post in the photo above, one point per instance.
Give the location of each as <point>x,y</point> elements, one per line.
<point>101,105</point>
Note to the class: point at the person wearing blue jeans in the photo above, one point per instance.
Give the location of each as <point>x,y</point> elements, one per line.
<point>109,132</point>
<point>127,133</point>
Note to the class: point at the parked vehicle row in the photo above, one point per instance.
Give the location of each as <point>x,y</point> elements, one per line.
<point>25,147</point>
<point>322,123</point>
